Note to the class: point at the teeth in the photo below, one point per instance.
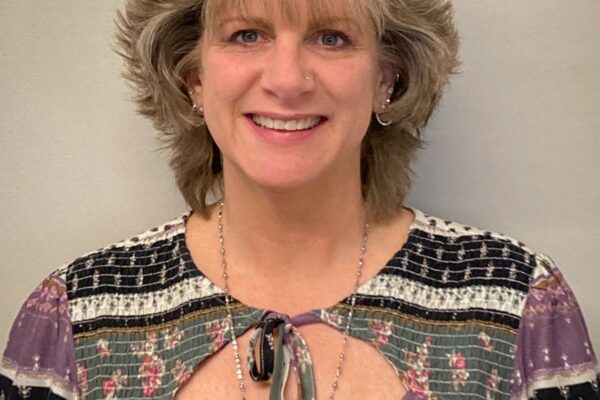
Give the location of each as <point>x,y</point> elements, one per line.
<point>293,125</point>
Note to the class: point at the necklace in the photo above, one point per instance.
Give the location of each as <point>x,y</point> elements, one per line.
<point>341,356</point>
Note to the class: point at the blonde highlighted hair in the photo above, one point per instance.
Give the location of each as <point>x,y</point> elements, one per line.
<point>417,39</point>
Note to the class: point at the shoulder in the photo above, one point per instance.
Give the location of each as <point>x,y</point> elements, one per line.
<point>482,256</point>
<point>140,247</point>
<point>553,352</point>
<point>455,255</point>
<point>55,302</point>
<point>141,278</point>
<point>454,273</point>
<point>499,257</point>
<point>40,357</point>
<point>133,264</point>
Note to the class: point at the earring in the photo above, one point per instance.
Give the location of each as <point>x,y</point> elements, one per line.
<point>381,122</point>
<point>385,107</point>
<point>199,110</point>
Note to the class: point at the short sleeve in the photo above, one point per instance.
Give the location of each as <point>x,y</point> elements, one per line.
<point>554,357</point>
<point>39,360</point>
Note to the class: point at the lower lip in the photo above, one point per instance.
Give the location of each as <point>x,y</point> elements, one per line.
<point>284,137</point>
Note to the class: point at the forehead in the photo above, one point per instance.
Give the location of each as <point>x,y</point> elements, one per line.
<point>310,12</point>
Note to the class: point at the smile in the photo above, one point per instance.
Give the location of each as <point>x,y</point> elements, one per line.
<point>286,125</point>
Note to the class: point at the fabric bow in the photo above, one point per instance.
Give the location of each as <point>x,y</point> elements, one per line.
<point>275,359</point>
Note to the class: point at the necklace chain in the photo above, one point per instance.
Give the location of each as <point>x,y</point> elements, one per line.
<point>236,353</point>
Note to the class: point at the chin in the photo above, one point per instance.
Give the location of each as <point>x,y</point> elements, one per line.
<point>282,179</point>
<point>281,183</point>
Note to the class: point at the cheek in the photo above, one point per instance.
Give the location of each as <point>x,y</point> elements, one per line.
<point>224,81</point>
<point>218,91</point>
<point>351,83</point>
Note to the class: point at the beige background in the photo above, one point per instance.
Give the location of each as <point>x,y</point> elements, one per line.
<point>513,148</point>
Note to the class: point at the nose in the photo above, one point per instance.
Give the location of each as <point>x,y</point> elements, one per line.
<point>286,75</point>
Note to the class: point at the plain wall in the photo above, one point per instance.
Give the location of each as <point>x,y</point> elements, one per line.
<point>513,147</point>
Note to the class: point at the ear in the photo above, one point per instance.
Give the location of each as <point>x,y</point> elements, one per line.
<point>194,85</point>
<point>385,86</point>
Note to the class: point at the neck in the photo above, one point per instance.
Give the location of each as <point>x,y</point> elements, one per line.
<point>270,228</point>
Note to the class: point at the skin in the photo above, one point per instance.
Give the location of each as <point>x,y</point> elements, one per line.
<point>294,214</point>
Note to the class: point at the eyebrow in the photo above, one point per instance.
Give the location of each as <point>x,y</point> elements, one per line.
<point>320,23</point>
<point>258,21</point>
<point>314,24</point>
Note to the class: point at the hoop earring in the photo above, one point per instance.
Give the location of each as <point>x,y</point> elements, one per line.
<point>381,122</point>
<point>386,106</point>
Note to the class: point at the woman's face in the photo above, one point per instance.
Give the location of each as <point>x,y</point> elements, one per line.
<point>289,102</point>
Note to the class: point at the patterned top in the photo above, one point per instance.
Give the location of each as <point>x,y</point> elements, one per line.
<point>460,313</point>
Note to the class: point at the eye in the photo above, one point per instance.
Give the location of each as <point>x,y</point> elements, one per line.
<point>333,39</point>
<point>246,36</point>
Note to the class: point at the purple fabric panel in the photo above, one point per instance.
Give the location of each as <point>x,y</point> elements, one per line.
<point>305,319</point>
<point>553,338</point>
<point>41,344</point>
<point>412,396</point>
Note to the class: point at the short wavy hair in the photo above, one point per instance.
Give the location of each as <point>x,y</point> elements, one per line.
<point>417,39</point>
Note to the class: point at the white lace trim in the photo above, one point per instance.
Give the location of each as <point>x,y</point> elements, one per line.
<point>26,379</point>
<point>133,304</point>
<point>463,298</point>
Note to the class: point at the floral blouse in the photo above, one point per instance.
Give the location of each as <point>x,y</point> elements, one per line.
<point>461,313</point>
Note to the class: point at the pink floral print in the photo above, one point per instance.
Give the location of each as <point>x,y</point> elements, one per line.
<point>102,347</point>
<point>485,341</point>
<point>111,386</point>
<point>418,372</point>
<point>151,371</point>
<point>382,330</point>
<point>458,363</point>
<point>152,367</point>
<point>181,372</point>
<point>82,381</point>
<point>172,338</point>
<point>491,385</point>
<point>216,330</point>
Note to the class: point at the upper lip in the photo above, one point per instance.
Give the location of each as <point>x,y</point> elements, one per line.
<point>285,117</point>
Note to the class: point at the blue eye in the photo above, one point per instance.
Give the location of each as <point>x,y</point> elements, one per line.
<point>247,36</point>
<point>333,39</point>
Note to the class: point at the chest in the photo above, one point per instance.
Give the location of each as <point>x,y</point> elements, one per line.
<point>195,355</point>
<point>365,372</point>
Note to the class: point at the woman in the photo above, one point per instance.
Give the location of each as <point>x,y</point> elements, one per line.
<point>304,116</point>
